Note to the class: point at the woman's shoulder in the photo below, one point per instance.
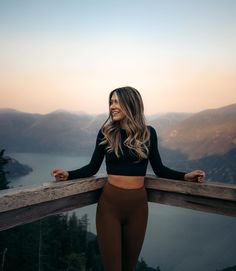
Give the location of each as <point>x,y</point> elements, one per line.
<point>153,133</point>
<point>151,128</point>
<point>100,134</point>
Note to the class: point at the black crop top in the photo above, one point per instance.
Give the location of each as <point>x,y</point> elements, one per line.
<point>126,165</point>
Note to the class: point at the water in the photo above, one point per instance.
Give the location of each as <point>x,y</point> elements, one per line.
<point>177,239</point>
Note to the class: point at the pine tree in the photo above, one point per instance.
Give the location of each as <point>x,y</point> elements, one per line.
<point>3,162</point>
<point>141,266</point>
<point>55,243</point>
<point>94,261</point>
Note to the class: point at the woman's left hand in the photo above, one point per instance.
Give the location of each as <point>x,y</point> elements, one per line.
<point>195,176</point>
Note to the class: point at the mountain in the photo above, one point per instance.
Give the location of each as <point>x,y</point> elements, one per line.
<point>15,169</point>
<point>12,128</point>
<point>195,135</point>
<point>204,140</point>
<point>165,122</point>
<point>59,131</point>
<point>219,168</point>
<point>209,132</point>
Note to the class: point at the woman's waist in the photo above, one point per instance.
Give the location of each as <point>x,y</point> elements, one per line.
<point>126,182</point>
<point>128,197</point>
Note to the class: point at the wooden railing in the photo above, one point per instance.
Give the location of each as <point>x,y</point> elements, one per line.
<point>20,206</point>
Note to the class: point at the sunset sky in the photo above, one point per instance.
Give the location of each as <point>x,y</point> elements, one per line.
<point>69,54</point>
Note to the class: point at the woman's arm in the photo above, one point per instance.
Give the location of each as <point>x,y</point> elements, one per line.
<point>156,162</point>
<point>88,170</point>
<point>165,172</point>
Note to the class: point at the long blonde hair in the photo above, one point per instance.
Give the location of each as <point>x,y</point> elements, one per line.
<point>134,124</point>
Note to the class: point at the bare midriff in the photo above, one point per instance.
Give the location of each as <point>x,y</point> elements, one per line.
<point>127,182</point>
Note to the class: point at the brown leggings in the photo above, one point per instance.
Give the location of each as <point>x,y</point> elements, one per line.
<point>121,222</point>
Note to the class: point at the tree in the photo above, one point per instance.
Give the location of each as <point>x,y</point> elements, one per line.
<point>76,262</point>
<point>94,261</point>
<point>3,162</point>
<point>141,266</point>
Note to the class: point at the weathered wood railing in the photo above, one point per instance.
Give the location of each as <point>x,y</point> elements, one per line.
<point>20,206</point>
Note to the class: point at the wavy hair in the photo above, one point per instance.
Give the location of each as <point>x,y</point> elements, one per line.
<point>134,123</point>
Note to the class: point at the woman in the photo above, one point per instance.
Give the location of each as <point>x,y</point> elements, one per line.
<point>127,143</point>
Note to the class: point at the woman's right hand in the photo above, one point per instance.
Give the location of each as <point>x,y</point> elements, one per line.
<point>60,174</point>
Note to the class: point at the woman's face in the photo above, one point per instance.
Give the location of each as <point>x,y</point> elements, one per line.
<point>115,110</point>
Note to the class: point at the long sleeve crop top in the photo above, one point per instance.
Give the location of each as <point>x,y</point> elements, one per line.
<point>126,164</point>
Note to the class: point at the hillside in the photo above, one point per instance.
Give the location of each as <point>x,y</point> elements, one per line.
<point>15,169</point>
<point>166,122</point>
<point>209,132</point>
<point>58,132</point>
<point>187,141</point>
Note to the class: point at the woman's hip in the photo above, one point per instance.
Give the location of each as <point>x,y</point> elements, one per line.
<point>121,197</point>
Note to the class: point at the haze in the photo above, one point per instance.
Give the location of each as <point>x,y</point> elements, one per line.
<point>70,54</point>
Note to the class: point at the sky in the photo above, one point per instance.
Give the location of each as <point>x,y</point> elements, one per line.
<point>69,54</point>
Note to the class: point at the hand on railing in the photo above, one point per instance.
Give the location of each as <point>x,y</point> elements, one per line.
<point>195,176</point>
<point>60,174</point>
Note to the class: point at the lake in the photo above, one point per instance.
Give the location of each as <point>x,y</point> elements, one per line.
<point>177,239</point>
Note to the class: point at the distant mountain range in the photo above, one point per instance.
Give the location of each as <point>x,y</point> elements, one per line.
<point>15,169</point>
<point>58,132</point>
<point>201,134</point>
<point>196,135</point>
<point>190,139</point>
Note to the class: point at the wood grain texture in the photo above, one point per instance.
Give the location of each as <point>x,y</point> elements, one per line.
<point>11,199</point>
<point>25,205</point>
